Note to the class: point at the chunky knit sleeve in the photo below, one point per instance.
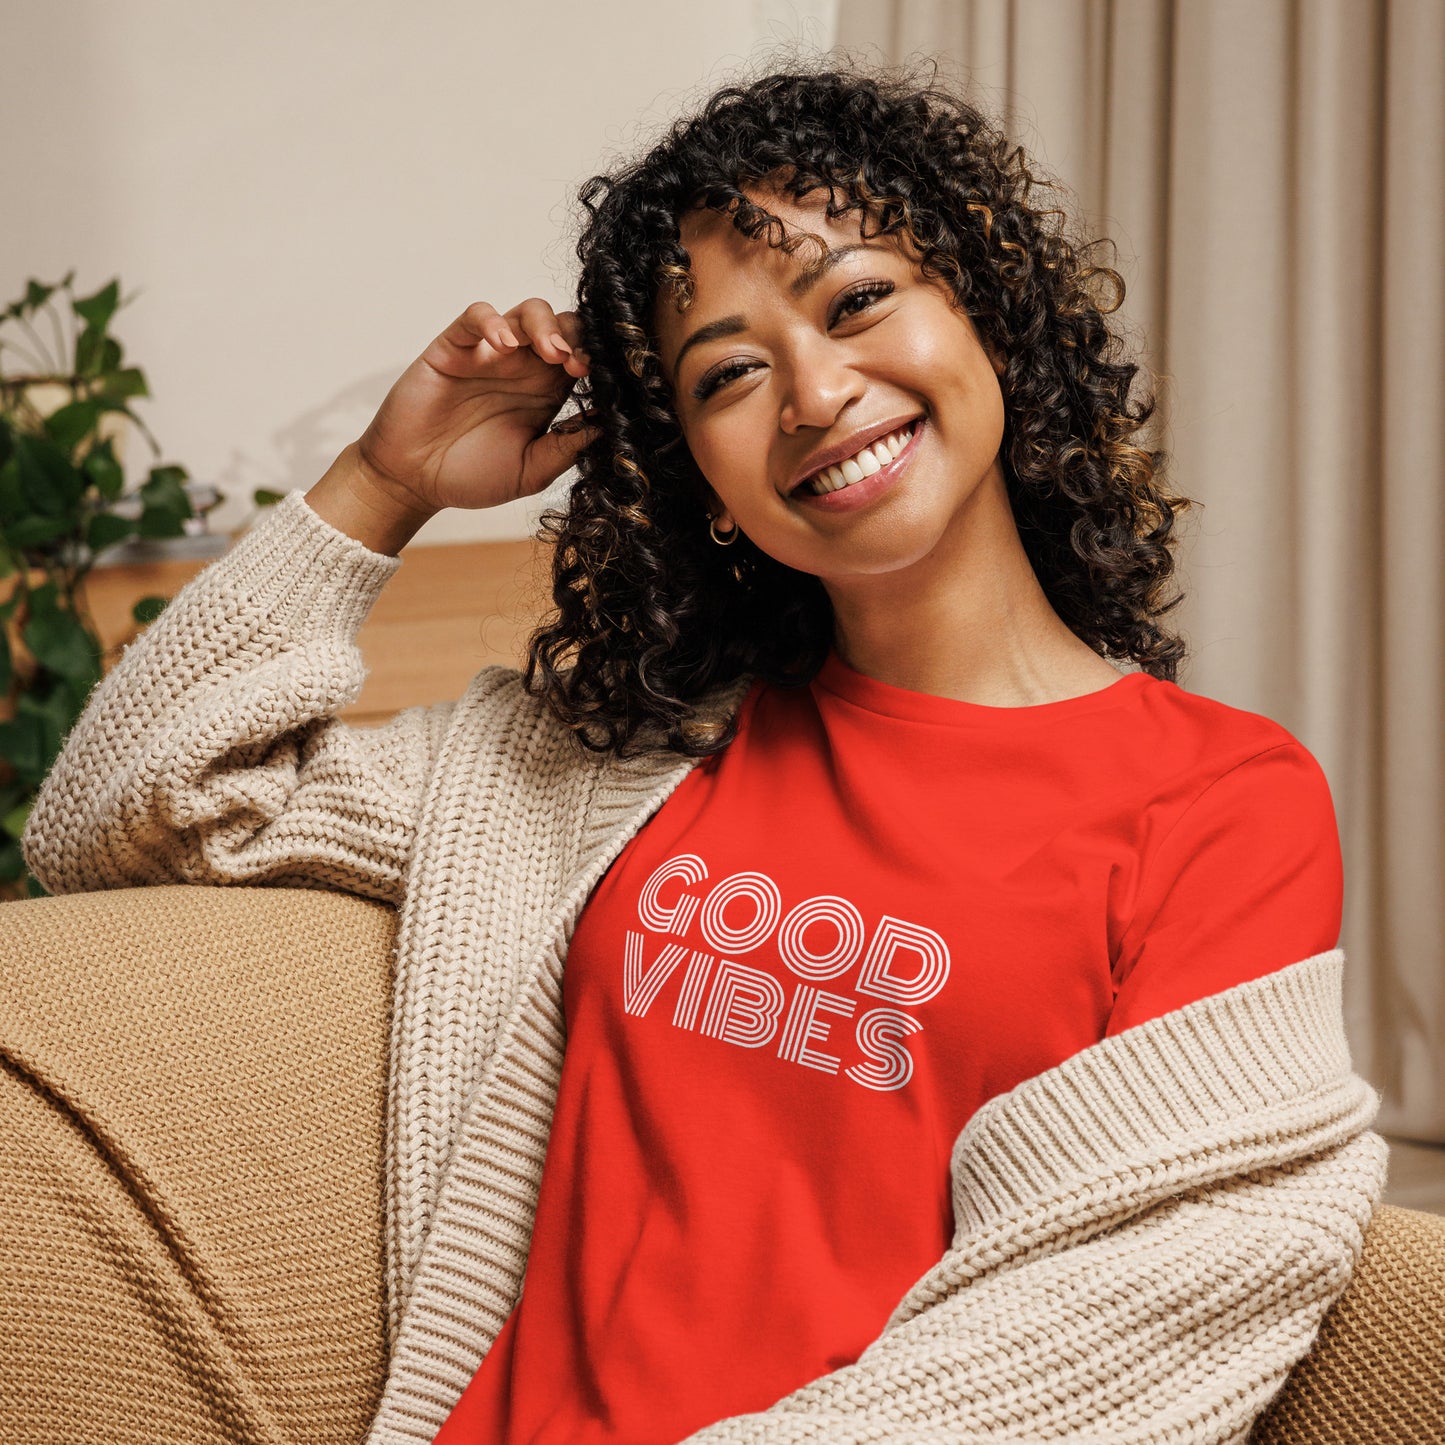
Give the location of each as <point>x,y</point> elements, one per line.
<point>1148,1238</point>
<point>210,752</point>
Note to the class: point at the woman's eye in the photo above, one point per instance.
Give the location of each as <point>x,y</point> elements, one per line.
<point>869,291</point>
<point>715,379</point>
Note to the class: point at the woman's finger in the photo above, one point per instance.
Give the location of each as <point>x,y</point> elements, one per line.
<point>543,330</point>
<point>481,321</point>
<point>554,336</point>
<point>569,324</point>
<point>585,419</point>
<point>555,450</point>
<point>480,334</point>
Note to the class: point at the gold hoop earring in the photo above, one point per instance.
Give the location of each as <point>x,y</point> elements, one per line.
<point>726,541</point>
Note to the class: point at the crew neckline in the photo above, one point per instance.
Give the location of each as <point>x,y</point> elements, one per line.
<point>840,679</point>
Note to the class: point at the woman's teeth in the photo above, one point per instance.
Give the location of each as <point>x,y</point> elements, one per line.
<point>873,458</point>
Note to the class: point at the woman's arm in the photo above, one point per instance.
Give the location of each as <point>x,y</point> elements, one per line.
<point>1149,1236</point>
<point>358,502</point>
<point>210,753</point>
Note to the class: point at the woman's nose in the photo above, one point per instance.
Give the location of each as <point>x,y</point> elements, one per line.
<point>819,380</point>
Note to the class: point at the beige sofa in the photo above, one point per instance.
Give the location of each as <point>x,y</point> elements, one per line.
<point>191,1183</point>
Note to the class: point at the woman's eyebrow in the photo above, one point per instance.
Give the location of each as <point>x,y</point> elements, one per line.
<point>811,275</point>
<point>713,331</point>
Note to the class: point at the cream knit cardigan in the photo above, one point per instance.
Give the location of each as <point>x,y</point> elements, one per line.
<point>1148,1235</point>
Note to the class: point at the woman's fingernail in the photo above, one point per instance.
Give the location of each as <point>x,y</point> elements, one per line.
<point>558,342</point>
<point>508,337</point>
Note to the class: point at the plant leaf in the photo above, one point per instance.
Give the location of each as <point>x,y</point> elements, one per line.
<point>165,482</point>
<point>36,295</point>
<point>105,529</point>
<point>89,352</point>
<point>51,717</point>
<point>60,642</point>
<point>102,468</point>
<point>161,522</point>
<point>12,794</point>
<point>97,310</point>
<point>14,821</point>
<point>7,666</point>
<point>148,609</point>
<point>12,493</point>
<point>44,596</point>
<point>68,425</point>
<point>128,382</point>
<point>35,530</point>
<point>167,506</point>
<point>70,697</point>
<point>22,745</point>
<point>52,485</point>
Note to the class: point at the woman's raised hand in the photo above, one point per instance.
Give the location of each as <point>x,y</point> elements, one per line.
<point>467,423</point>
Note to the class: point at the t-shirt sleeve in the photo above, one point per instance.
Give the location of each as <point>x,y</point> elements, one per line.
<point>1249,880</point>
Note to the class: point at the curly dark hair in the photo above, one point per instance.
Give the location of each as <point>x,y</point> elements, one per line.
<point>649,613</point>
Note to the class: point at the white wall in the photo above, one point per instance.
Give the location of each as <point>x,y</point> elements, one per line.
<point>300,196</point>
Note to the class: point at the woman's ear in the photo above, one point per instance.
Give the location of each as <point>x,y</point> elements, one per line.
<point>997,359</point>
<point>714,505</point>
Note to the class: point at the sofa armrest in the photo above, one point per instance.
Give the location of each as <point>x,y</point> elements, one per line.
<point>192,1113</point>
<point>1376,1371</point>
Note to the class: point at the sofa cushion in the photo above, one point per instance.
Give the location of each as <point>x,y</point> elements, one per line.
<point>191,1144</point>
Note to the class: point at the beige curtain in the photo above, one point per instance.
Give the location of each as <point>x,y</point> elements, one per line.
<point>1273,172</point>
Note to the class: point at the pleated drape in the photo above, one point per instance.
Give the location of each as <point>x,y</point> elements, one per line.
<point>1273,173</point>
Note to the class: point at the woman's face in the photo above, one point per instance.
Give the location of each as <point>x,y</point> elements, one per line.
<point>768,372</point>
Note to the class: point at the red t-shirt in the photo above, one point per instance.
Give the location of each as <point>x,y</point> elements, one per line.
<point>876,910</point>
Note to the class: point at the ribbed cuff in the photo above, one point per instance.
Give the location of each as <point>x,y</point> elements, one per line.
<point>1261,1044</point>
<point>292,558</point>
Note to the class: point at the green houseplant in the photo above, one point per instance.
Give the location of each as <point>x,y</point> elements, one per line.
<point>64,401</point>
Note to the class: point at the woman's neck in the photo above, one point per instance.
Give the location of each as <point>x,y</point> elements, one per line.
<point>968,621</point>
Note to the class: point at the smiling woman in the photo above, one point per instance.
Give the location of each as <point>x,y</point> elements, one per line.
<point>830,1001</point>
<point>863,467</point>
<point>807,268</point>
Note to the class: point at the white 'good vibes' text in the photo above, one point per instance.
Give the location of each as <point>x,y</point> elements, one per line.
<point>901,963</point>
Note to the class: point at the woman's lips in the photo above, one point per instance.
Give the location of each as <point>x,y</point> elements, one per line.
<point>860,494</point>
